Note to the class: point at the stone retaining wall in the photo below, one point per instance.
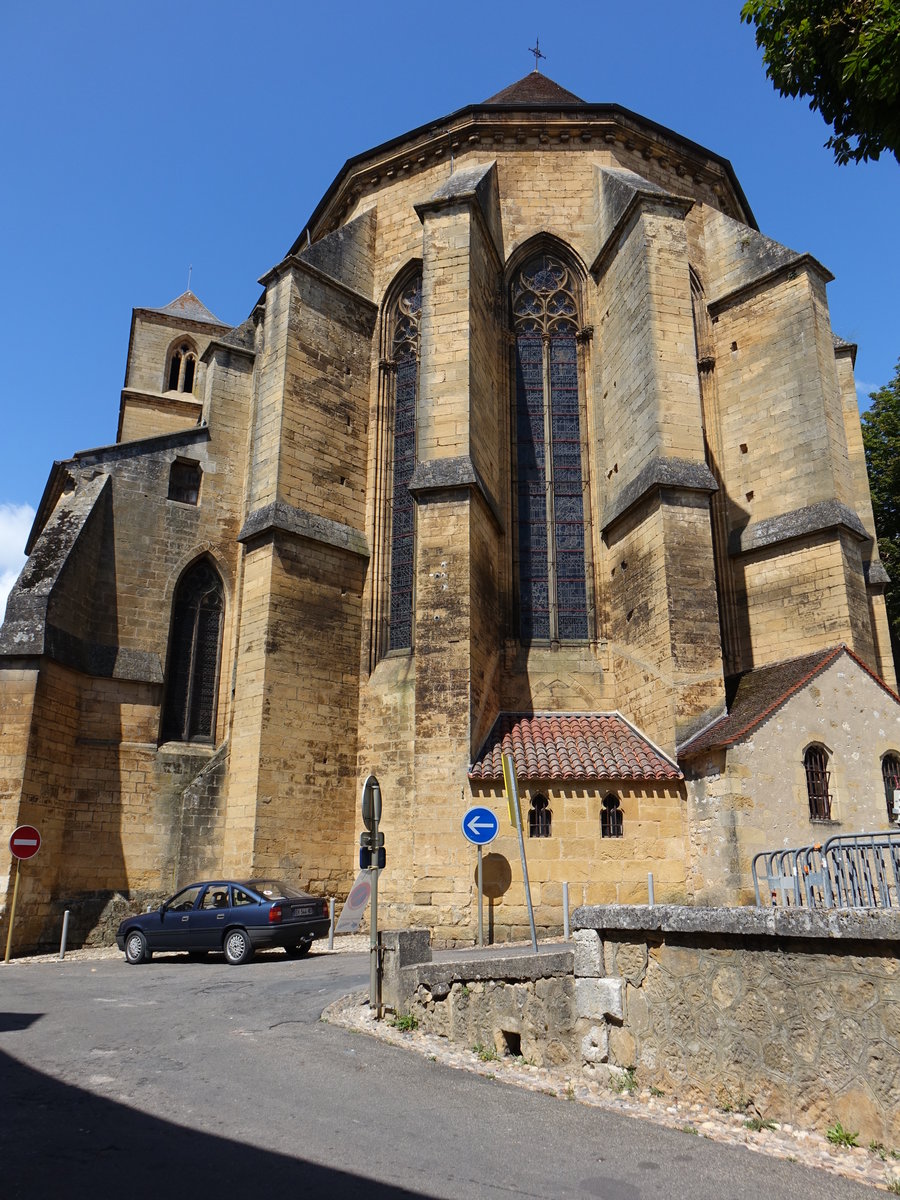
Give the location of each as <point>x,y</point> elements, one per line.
<point>795,1014</point>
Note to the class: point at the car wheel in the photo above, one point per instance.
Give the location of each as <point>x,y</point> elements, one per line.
<point>238,947</point>
<point>299,951</point>
<point>136,950</point>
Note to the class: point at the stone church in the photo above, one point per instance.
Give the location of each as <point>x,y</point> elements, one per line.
<point>531,443</point>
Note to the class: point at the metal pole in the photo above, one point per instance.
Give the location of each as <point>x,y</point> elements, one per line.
<point>331,926</point>
<point>480,901</point>
<point>374,989</point>
<point>12,911</point>
<point>518,816</point>
<point>650,899</point>
<point>65,935</point>
<point>566,911</point>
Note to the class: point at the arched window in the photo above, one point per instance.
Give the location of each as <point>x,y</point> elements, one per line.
<point>182,368</point>
<point>815,762</point>
<point>612,824</point>
<point>539,818</point>
<point>195,645</point>
<point>405,314</point>
<point>890,773</point>
<point>549,490</point>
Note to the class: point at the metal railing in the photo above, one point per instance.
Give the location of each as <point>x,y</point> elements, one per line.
<point>854,870</point>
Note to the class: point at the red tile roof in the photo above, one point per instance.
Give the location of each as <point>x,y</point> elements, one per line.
<point>571,748</point>
<point>757,694</point>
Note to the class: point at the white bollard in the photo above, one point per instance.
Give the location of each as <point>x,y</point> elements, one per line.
<point>65,934</point>
<point>331,926</point>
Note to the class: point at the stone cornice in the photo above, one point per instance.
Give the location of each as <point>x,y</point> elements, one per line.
<point>800,522</point>
<point>173,402</point>
<point>453,474</point>
<point>281,517</point>
<point>677,474</point>
<point>788,270</point>
<point>855,924</point>
<point>643,198</point>
<point>202,328</point>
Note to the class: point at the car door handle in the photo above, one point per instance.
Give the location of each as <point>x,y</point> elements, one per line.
<point>184,920</point>
<point>220,917</point>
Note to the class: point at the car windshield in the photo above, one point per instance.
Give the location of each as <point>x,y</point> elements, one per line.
<point>274,889</point>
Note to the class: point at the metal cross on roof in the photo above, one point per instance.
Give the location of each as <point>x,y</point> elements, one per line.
<point>536,51</point>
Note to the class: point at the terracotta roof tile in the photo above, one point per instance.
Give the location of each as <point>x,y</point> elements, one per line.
<point>756,695</point>
<point>571,748</point>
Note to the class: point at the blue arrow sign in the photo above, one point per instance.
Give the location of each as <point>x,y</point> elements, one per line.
<point>480,826</point>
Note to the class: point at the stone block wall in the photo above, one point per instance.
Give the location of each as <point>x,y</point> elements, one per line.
<point>793,1013</point>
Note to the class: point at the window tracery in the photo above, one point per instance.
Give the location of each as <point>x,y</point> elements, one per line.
<point>182,368</point>
<point>192,676</point>
<point>407,311</point>
<point>550,498</point>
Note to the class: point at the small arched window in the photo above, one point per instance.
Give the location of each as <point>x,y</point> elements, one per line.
<point>890,773</point>
<point>195,647</point>
<point>405,315</point>
<point>818,777</point>
<point>612,824</point>
<point>182,368</point>
<point>553,601</point>
<point>539,818</point>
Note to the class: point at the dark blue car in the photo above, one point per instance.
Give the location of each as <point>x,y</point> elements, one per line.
<point>232,917</point>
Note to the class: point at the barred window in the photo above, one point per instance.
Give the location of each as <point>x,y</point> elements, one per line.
<point>550,487</point>
<point>405,358</point>
<point>539,818</point>
<point>195,646</point>
<point>611,821</point>
<point>815,762</point>
<point>890,773</point>
<point>184,481</point>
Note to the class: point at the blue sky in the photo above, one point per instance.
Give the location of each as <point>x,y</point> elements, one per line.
<point>141,139</point>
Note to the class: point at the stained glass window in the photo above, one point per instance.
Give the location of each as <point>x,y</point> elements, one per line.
<point>550,497</point>
<point>189,710</point>
<point>405,354</point>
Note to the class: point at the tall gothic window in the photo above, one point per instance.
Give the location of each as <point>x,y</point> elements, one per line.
<point>405,357</point>
<point>182,368</point>
<point>195,645</point>
<point>818,778</point>
<point>551,525</point>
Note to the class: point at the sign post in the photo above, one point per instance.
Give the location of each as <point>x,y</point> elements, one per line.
<point>480,826</point>
<point>515,813</point>
<point>372,847</point>
<point>23,843</point>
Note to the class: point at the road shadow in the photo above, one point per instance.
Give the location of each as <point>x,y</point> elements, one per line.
<point>58,1140</point>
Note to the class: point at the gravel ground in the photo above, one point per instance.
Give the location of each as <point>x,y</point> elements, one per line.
<point>878,1168</point>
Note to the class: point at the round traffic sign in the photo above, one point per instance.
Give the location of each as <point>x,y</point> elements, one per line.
<point>480,825</point>
<point>24,842</point>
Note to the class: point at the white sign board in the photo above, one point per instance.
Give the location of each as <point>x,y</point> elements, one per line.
<point>357,903</point>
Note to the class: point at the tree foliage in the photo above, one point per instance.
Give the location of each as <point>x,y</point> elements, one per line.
<point>844,55</point>
<point>881,438</point>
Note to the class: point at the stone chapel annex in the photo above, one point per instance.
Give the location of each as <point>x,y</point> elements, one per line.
<point>532,441</point>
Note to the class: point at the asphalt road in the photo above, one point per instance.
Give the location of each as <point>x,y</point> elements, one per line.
<point>182,1079</point>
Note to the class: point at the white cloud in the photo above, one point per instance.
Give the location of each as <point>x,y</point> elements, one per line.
<point>15,525</point>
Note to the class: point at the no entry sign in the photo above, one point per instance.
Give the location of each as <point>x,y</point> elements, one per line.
<point>25,842</point>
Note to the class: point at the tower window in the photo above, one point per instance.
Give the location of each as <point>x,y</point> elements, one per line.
<point>184,481</point>
<point>611,821</point>
<point>815,762</point>
<point>195,646</point>
<point>890,773</point>
<point>549,493</point>
<point>182,368</point>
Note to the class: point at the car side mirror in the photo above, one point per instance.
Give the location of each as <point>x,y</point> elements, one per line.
<point>162,908</point>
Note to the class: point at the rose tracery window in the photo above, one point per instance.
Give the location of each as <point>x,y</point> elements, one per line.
<point>405,355</point>
<point>195,644</point>
<point>551,522</point>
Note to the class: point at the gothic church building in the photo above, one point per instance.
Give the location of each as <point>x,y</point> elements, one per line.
<point>532,443</point>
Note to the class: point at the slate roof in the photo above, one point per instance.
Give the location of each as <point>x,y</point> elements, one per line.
<point>534,88</point>
<point>756,695</point>
<point>188,306</point>
<point>571,748</point>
